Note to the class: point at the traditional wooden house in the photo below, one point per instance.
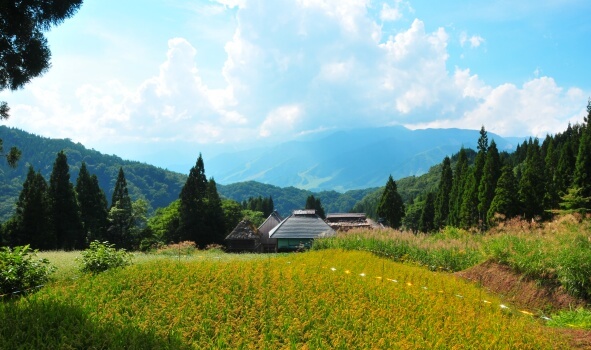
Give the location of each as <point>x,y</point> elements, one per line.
<point>244,238</point>
<point>299,230</point>
<point>269,244</point>
<point>347,221</point>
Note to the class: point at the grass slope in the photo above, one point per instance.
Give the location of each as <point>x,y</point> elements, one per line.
<point>320,299</point>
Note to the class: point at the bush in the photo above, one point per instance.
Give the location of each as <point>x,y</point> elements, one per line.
<point>103,256</point>
<point>20,271</point>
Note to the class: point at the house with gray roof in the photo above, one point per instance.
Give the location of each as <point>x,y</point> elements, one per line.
<point>269,244</point>
<point>299,230</point>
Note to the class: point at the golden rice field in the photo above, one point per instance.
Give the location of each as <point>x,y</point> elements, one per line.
<point>319,300</point>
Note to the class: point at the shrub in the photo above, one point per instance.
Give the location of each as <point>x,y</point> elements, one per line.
<point>20,271</point>
<point>178,249</point>
<point>102,256</point>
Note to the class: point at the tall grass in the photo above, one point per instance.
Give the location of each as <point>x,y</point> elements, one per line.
<point>321,299</point>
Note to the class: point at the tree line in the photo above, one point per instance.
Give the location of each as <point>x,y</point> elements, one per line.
<point>534,183</point>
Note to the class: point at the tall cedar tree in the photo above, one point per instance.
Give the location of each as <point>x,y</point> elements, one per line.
<point>532,185</point>
<point>192,208</point>
<point>65,214</point>
<point>214,218</point>
<point>582,176</point>
<point>488,181</point>
<point>457,188</point>
<point>93,205</point>
<point>443,194</point>
<point>24,53</point>
<point>314,203</point>
<point>552,196</point>
<point>120,215</point>
<point>32,214</point>
<point>391,207</point>
<point>565,167</point>
<point>428,214</point>
<point>469,214</point>
<point>505,201</point>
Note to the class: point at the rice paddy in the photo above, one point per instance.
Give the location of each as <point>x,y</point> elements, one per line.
<point>320,299</point>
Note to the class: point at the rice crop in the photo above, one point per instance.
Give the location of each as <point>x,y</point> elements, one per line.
<point>319,300</point>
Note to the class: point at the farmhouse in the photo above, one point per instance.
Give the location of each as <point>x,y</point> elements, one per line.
<point>347,221</point>
<point>299,230</point>
<point>244,238</point>
<point>269,244</point>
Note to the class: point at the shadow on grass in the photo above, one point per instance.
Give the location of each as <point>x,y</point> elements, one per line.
<point>35,323</point>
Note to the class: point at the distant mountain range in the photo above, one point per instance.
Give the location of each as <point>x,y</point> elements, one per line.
<point>346,160</point>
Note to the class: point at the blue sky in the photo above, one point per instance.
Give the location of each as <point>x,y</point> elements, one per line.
<point>162,80</point>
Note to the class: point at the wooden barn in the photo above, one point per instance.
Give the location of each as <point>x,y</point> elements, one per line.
<point>269,244</point>
<point>299,230</point>
<point>244,238</point>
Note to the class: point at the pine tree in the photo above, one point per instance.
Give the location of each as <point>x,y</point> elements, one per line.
<point>314,203</point>
<point>488,181</point>
<point>505,202</point>
<point>65,214</point>
<point>192,205</point>
<point>428,214</point>
<point>565,167</point>
<point>214,218</point>
<point>552,196</point>
<point>457,189</point>
<point>469,214</point>
<point>32,215</point>
<point>120,215</point>
<point>391,207</point>
<point>93,205</point>
<point>582,175</point>
<point>443,194</point>
<point>532,185</point>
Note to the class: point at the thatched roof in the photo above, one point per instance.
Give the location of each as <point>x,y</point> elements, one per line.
<point>245,230</point>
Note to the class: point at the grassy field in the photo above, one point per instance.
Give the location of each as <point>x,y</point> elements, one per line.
<point>320,299</point>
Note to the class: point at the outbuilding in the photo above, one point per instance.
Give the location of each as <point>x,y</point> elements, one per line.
<point>299,230</point>
<point>244,238</point>
<point>269,244</point>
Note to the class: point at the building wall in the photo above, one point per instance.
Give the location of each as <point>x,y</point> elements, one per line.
<point>293,243</point>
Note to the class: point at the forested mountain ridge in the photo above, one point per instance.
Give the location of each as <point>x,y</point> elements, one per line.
<point>158,186</point>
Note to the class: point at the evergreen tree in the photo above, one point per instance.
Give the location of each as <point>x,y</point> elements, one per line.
<point>120,215</point>
<point>214,218</point>
<point>192,207</point>
<point>532,185</point>
<point>552,196</point>
<point>314,203</point>
<point>65,214</point>
<point>582,175</point>
<point>32,215</point>
<point>93,205</point>
<point>391,207</point>
<point>565,167</point>
<point>488,182</point>
<point>469,214</point>
<point>457,189</point>
<point>443,194</point>
<point>428,214</point>
<point>505,201</point>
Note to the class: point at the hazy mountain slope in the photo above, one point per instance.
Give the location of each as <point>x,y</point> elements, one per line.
<point>346,160</point>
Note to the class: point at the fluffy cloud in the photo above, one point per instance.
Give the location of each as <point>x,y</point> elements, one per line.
<point>296,66</point>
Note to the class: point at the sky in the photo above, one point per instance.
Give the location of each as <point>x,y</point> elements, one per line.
<point>160,81</point>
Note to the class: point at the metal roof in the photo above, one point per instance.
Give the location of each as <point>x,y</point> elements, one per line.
<point>273,220</point>
<point>302,225</point>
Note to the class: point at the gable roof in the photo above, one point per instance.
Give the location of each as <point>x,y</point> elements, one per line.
<point>302,224</point>
<point>273,220</point>
<point>245,230</point>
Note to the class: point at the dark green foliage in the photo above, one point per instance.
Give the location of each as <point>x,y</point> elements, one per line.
<point>469,211</point>
<point>443,194</point>
<point>532,183</point>
<point>263,204</point>
<point>64,211</point>
<point>582,175</point>
<point>552,195</point>
<point>457,189</point>
<point>314,203</point>
<point>505,201</point>
<point>412,217</point>
<point>391,207</point>
<point>428,214</point>
<point>232,214</point>
<point>120,217</point>
<point>32,218</point>
<point>11,156</point>
<point>20,271</point>
<point>102,256</point>
<point>489,179</point>
<point>164,223</point>
<point>93,205</point>
<point>158,186</point>
<point>214,216</point>
<point>192,206</point>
